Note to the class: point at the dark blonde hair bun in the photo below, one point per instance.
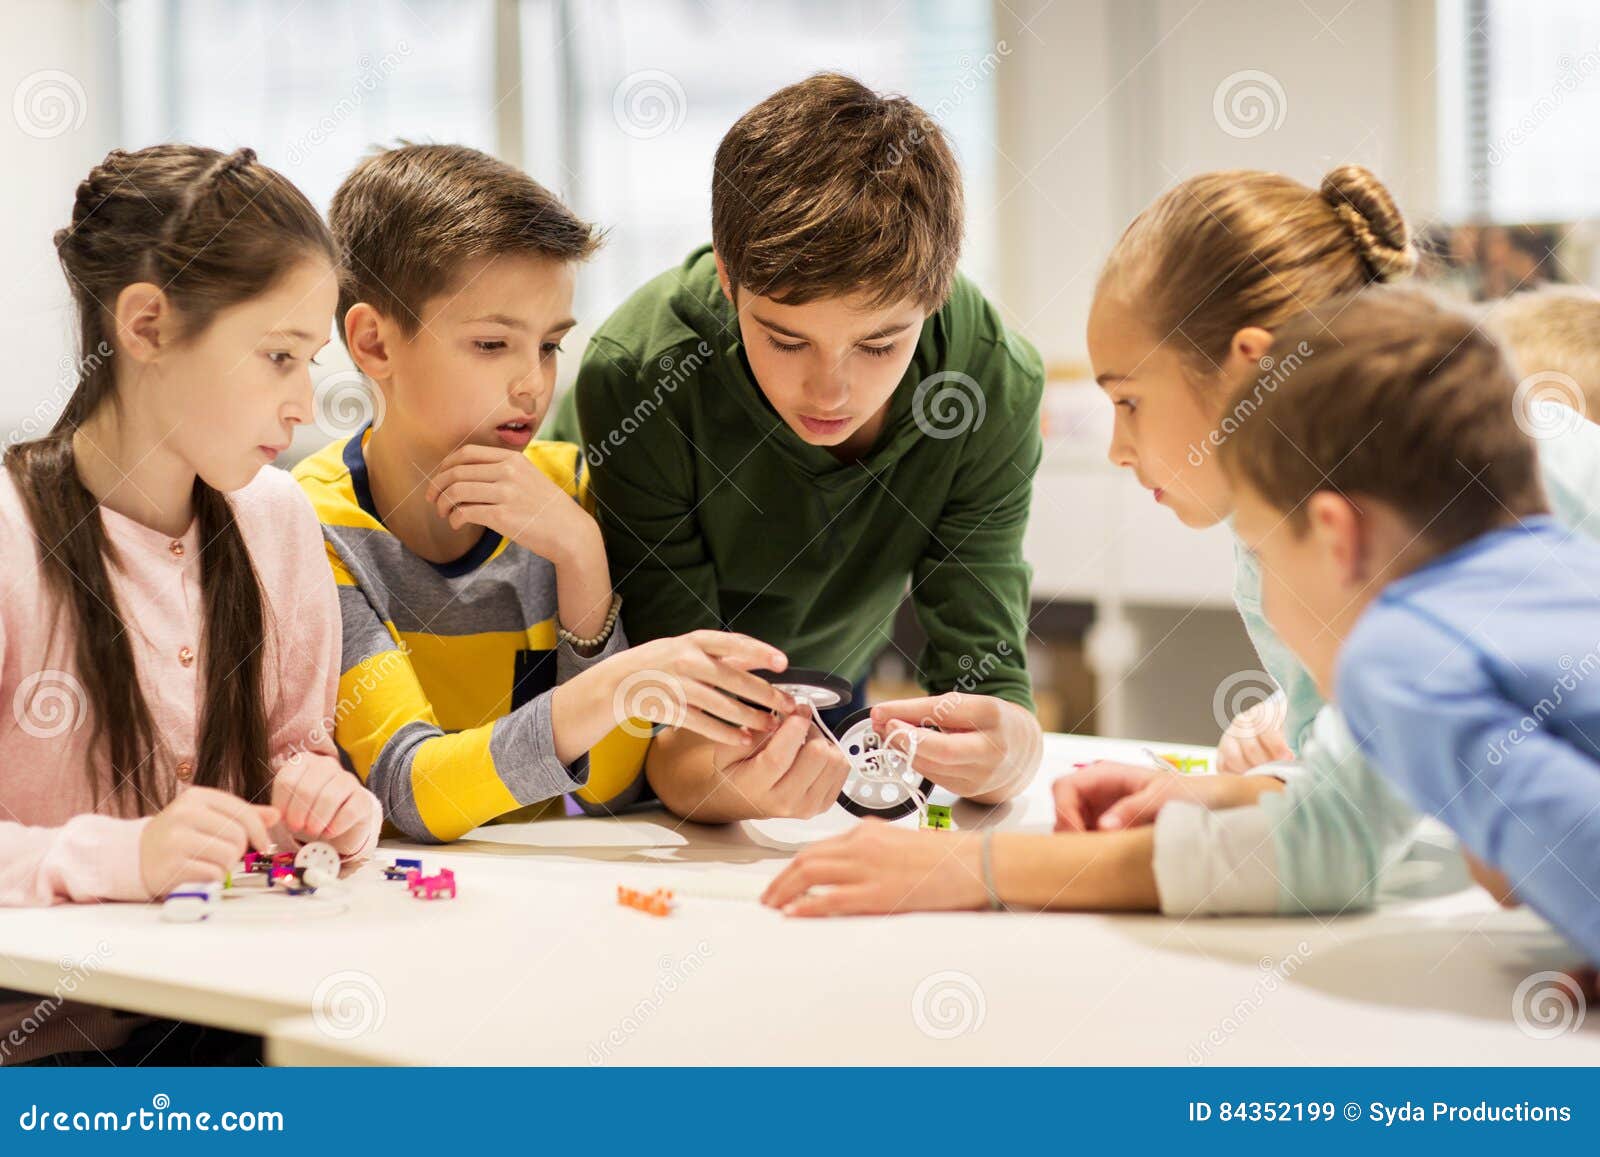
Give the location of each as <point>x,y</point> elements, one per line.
<point>1368,210</point>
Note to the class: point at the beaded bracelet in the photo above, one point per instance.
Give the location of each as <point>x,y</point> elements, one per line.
<point>599,640</point>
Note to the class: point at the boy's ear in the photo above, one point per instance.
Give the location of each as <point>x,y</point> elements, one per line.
<point>365,335</point>
<point>724,280</point>
<point>1337,529</point>
<point>143,317</point>
<point>1245,351</point>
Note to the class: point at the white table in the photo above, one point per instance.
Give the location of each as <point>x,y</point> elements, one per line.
<point>535,963</point>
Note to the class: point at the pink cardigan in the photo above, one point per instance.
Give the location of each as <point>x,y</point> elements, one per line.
<point>51,848</point>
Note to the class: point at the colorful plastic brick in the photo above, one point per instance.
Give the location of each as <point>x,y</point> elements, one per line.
<point>190,903</point>
<point>401,869</point>
<point>657,903</point>
<point>938,816</point>
<point>437,887</point>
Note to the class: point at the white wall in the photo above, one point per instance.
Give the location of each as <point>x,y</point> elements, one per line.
<point>1103,105</point>
<point>1106,103</point>
<point>43,167</point>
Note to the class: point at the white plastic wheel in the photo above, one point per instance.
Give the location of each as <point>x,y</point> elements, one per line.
<point>888,797</point>
<point>321,857</point>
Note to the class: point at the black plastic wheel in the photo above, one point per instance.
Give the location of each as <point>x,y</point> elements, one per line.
<point>825,690</point>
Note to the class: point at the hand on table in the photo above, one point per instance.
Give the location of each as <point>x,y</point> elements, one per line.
<point>876,869</point>
<point>1254,737</point>
<point>1110,796</point>
<point>319,800</point>
<point>200,836</point>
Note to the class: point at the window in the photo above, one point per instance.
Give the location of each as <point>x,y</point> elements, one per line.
<point>1519,102</point>
<point>616,104</point>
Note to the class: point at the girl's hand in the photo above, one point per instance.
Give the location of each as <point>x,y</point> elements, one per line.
<point>504,492</point>
<point>1254,737</point>
<point>200,836</point>
<point>697,681</point>
<point>1111,796</point>
<point>319,800</point>
<point>875,869</point>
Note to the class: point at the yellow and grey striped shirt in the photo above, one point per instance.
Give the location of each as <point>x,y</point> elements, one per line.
<point>448,668</point>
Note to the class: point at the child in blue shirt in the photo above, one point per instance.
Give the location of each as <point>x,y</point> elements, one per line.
<point>1389,490</point>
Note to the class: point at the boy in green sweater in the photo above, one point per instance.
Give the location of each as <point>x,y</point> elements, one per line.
<point>806,419</point>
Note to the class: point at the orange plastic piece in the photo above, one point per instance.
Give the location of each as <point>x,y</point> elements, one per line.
<point>657,903</point>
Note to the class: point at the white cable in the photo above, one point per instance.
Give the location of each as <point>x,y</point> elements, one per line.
<point>870,763</point>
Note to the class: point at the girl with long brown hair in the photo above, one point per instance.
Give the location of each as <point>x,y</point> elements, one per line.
<point>169,636</point>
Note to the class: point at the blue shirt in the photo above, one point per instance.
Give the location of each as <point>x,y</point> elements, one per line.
<point>1473,684</point>
<point>1324,842</point>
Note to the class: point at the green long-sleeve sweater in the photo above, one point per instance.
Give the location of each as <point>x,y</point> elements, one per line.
<point>717,515</point>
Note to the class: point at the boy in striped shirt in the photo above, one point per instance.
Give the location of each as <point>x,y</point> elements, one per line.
<point>484,672</point>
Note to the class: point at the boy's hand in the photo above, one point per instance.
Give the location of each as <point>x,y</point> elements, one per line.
<point>798,773</point>
<point>877,869</point>
<point>504,492</point>
<point>1254,737</point>
<point>1492,881</point>
<point>1111,796</point>
<point>984,749</point>
<point>699,682</point>
<point>199,836</point>
<point>319,800</point>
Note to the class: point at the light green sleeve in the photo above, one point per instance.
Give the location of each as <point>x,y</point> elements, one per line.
<point>1338,826</point>
<point>1302,700</point>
